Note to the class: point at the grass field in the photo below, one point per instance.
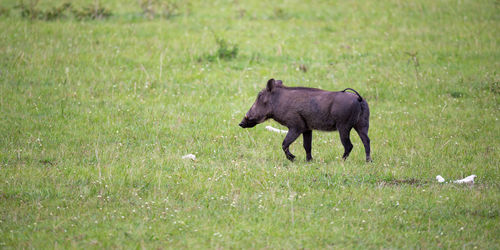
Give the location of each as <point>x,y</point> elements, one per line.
<point>96,115</point>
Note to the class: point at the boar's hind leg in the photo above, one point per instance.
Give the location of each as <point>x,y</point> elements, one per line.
<point>346,141</point>
<point>307,144</point>
<point>291,136</point>
<point>363,134</point>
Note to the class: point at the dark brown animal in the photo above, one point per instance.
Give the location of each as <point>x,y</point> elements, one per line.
<point>305,109</point>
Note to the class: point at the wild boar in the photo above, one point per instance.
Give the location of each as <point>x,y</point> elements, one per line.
<point>305,109</point>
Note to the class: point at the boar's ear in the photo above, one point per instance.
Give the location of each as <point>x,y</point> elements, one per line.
<point>270,84</point>
<point>279,83</point>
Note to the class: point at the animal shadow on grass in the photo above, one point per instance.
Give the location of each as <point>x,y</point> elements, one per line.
<point>400,182</point>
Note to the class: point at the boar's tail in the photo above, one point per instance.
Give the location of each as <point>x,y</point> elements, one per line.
<point>360,98</point>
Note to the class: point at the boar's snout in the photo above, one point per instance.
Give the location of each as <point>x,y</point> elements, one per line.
<point>247,123</point>
<point>242,123</point>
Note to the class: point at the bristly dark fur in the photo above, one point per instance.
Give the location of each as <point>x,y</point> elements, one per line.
<point>302,88</point>
<point>303,110</point>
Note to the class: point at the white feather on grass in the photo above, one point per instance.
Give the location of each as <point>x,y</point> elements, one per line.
<point>467,180</point>
<point>276,130</point>
<point>189,156</point>
<point>440,179</point>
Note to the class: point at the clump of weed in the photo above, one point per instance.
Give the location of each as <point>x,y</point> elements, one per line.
<point>4,11</point>
<point>147,8</point>
<point>494,87</point>
<point>31,11</point>
<point>169,10</point>
<point>56,12</point>
<point>280,13</point>
<point>157,8</point>
<point>93,12</point>
<point>300,67</point>
<point>225,50</point>
<point>303,68</point>
<point>456,94</point>
<point>241,13</point>
<point>414,59</point>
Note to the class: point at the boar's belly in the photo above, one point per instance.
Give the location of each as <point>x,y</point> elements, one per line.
<point>319,121</point>
<point>326,126</point>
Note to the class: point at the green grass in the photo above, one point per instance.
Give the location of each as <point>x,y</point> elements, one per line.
<point>96,115</point>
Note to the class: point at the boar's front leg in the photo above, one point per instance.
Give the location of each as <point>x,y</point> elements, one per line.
<point>291,136</point>
<point>307,144</point>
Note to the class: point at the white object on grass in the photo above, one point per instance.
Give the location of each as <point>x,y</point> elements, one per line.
<point>440,179</point>
<point>276,130</point>
<point>466,180</point>
<point>189,156</point>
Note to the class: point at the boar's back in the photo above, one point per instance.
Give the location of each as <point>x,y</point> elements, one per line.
<point>309,108</point>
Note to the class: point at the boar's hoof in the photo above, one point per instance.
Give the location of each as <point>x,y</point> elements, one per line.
<point>290,157</point>
<point>309,158</point>
<point>369,159</point>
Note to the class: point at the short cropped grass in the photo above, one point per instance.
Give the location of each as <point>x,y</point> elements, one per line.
<point>96,115</point>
